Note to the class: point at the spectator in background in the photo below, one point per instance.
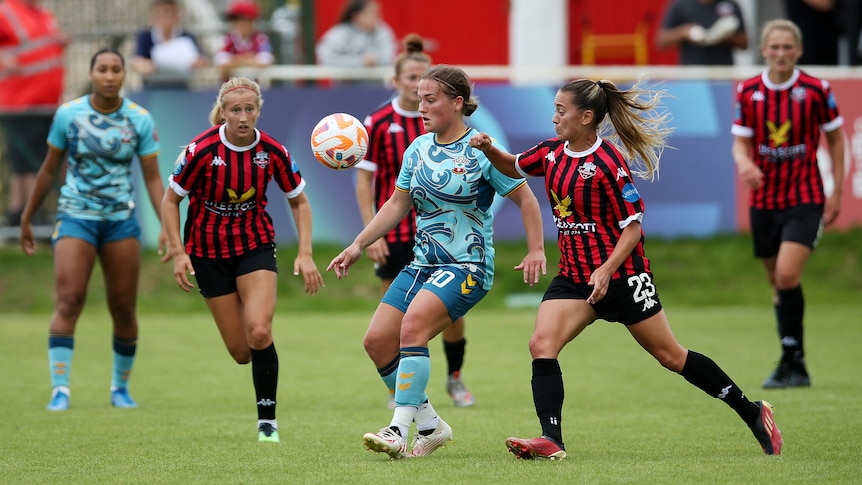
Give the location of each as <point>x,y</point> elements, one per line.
<point>243,45</point>
<point>706,31</point>
<point>820,27</point>
<point>360,38</point>
<point>851,13</point>
<point>165,54</point>
<point>286,23</point>
<point>31,85</point>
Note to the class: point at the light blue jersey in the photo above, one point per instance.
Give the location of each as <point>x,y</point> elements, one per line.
<point>453,187</point>
<point>99,151</point>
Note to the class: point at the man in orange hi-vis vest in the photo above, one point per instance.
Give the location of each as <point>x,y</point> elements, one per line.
<point>31,85</point>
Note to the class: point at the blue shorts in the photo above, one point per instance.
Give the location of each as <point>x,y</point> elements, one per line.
<point>97,233</point>
<point>457,287</point>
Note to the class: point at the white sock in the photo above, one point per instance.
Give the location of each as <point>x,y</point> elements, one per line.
<point>402,418</point>
<point>426,418</point>
<point>64,389</point>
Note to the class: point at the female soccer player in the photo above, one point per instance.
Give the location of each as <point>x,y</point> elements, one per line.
<point>390,130</point>
<point>451,187</point>
<point>779,117</point>
<point>98,136</point>
<point>603,271</point>
<point>229,237</point>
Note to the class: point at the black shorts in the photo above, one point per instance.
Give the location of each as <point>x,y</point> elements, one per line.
<point>802,224</point>
<point>217,277</point>
<point>628,301</point>
<point>26,138</point>
<point>400,255</point>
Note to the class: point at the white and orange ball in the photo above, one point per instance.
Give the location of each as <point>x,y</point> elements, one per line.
<point>339,141</point>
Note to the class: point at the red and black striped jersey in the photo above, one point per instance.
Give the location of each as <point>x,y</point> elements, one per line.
<point>593,199</point>
<point>391,129</point>
<point>784,122</point>
<point>226,186</point>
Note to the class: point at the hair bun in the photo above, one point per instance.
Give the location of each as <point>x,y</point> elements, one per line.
<point>413,43</point>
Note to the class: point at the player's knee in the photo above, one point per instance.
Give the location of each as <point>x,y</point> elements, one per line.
<point>69,305</point>
<point>241,355</point>
<point>543,347</point>
<point>785,280</point>
<point>671,359</point>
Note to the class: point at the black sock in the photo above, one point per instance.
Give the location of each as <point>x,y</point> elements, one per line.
<point>454,354</point>
<point>264,374</point>
<point>791,309</point>
<point>548,396</point>
<point>707,376</point>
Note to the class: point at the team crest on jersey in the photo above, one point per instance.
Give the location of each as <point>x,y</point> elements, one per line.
<point>587,170</point>
<point>261,159</point>
<point>460,167</point>
<point>798,94</point>
<point>127,134</point>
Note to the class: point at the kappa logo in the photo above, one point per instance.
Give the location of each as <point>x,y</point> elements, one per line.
<point>649,303</point>
<point>550,157</point>
<point>266,402</point>
<point>218,162</point>
<point>192,147</point>
<point>758,96</point>
<point>621,173</point>
<point>587,170</point>
<point>778,134</point>
<point>724,392</point>
<point>395,128</point>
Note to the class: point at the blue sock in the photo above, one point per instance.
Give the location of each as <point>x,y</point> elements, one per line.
<point>60,350</point>
<point>124,358</point>
<point>388,374</point>
<point>413,373</point>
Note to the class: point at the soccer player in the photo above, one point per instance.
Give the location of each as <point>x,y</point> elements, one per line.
<point>229,237</point>
<point>603,272</point>
<point>779,117</point>
<point>391,129</point>
<point>97,136</point>
<point>451,187</point>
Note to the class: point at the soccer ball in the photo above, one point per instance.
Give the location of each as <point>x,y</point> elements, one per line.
<point>339,141</point>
